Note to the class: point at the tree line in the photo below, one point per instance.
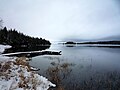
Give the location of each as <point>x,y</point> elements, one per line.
<point>18,39</point>
<point>101,42</point>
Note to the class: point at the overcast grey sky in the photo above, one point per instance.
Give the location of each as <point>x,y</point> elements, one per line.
<point>59,19</point>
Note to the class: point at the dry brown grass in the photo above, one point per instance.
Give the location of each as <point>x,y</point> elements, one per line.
<point>23,62</point>
<point>5,69</point>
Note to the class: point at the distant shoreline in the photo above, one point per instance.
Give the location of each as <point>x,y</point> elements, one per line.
<point>96,42</point>
<point>109,44</point>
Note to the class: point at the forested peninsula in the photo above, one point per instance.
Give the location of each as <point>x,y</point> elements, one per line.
<point>19,40</point>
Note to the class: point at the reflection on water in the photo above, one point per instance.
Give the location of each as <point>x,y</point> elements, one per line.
<point>81,68</point>
<point>58,72</point>
<point>24,49</point>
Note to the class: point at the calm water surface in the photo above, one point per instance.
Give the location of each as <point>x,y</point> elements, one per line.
<point>81,68</point>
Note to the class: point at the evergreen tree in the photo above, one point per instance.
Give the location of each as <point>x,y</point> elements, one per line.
<point>17,39</point>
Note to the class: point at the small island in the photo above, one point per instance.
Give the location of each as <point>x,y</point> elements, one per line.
<point>70,42</point>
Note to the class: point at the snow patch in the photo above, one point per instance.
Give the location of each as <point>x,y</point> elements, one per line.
<point>19,77</point>
<point>16,74</point>
<point>3,47</point>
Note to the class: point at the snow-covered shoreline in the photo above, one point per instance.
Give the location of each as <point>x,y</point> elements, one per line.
<point>3,47</point>
<point>17,74</point>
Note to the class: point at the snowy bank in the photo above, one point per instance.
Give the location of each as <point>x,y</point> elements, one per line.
<point>3,47</point>
<point>17,74</point>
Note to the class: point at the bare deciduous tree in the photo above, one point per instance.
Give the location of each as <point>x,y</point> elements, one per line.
<point>1,23</point>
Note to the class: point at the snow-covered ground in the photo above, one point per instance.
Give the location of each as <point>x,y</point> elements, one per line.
<point>3,47</point>
<point>16,74</point>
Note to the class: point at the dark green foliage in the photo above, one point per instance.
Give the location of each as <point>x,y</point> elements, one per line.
<point>17,39</point>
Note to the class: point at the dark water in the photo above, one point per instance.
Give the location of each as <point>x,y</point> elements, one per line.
<point>25,49</point>
<point>81,68</point>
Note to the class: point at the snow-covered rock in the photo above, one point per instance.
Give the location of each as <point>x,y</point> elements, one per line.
<point>17,74</point>
<point>14,75</point>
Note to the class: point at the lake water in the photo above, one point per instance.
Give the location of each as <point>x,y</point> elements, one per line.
<point>81,68</point>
